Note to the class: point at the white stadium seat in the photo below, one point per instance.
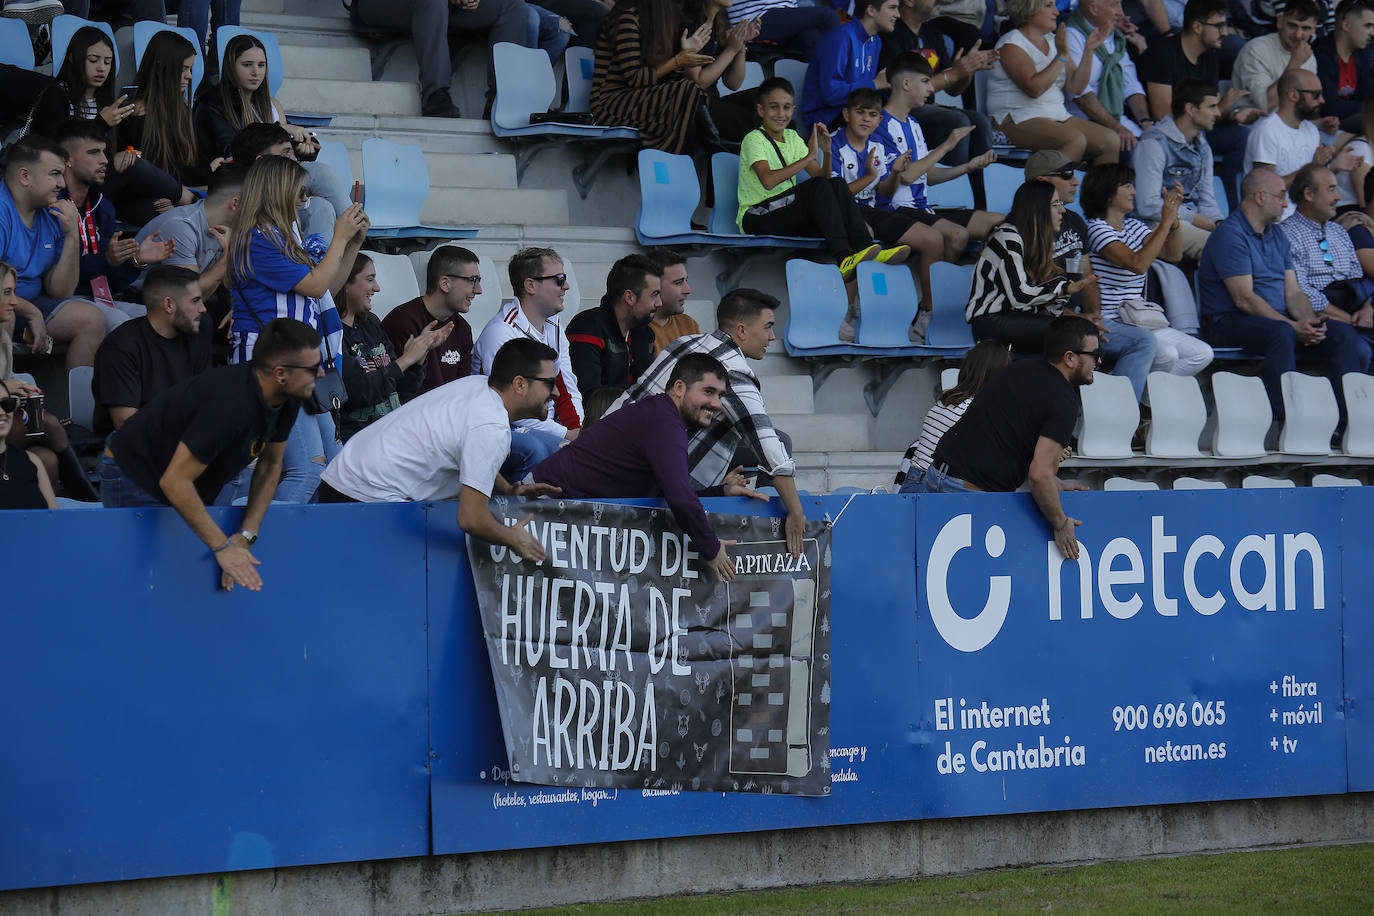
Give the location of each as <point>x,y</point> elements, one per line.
<point>1243,416</point>
<point>1110,418</point>
<point>1178,415</point>
<point>1311,415</point>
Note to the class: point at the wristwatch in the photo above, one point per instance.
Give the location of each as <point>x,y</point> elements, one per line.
<point>249,536</point>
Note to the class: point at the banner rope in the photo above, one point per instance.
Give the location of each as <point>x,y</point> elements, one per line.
<point>831,523</point>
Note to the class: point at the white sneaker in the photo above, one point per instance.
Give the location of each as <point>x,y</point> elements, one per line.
<point>34,12</point>
<point>917,332</point>
<point>850,326</point>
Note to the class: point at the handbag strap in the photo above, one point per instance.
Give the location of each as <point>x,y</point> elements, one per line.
<point>328,350</point>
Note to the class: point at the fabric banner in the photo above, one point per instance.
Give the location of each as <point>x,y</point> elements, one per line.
<point>621,662</point>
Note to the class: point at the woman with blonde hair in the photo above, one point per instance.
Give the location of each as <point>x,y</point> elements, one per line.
<point>272,275</point>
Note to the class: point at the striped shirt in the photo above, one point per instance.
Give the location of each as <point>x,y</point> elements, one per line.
<point>268,291</point>
<point>1116,284</point>
<point>849,163</point>
<point>897,137</point>
<point>743,417</point>
<point>512,322</point>
<point>1000,283</point>
<point>752,9</point>
<point>938,421</point>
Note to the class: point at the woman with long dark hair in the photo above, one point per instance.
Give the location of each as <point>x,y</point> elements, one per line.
<point>375,376</point>
<point>1017,288</point>
<point>271,275</point>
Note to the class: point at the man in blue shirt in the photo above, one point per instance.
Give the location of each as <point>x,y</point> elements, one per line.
<point>1250,296</point>
<point>845,60</point>
<point>38,236</point>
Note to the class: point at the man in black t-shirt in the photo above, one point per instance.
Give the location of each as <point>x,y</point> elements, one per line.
<point>144,357</point>
<point>184,445</point>
<point>1019,425</point>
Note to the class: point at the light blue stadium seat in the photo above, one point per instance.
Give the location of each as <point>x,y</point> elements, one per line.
<point>955,193</point>
<point>275,75</point>
<point>887,300</point>
<point>16,48</point>
<point>817,303</point>
<point>146,29</point>
<point>1219,191</point>
<point>794,71</point>
<point>753,76</point>
<point>335,155</point>
<point>949,285</point>
<point>396,182</point>
<point>64,27</point>
<point>579,64</point>
<point>525,85</point>
<point>80,398</point>
<point>1001,181</point>
<point>725,184</point>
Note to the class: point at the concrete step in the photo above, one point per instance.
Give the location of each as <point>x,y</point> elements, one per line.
<point>349,97</point>
<point>492,171</point>
<point>787,394</point>
<point>347,62</point>
<point>484,207</point>
<point>866,469</point>
<point>319,22</point>
<point>817,432</point>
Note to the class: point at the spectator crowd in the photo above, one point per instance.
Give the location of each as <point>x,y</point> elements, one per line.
<point>183,243</point>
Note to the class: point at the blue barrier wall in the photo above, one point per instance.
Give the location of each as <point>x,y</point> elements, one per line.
<point>157,726</point>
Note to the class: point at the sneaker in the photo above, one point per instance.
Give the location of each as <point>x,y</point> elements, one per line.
<point>896,255</point>
<point>440,105</point>
<point>851,263</point>
<point>917,332</point>
<point>34,12</point>
<point>850,326</point>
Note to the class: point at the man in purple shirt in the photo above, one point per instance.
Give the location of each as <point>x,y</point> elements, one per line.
<point>641,450</point>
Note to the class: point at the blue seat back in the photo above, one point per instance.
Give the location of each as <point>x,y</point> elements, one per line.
<point>64,27</point>
<point>794,71</point>
<point>524,85</point>
<point>226,33</point>
<point>335,155</point>
<point>817,303</point>
<point>1000,182</point>
<point>668,194</point>
<point>580,64</point>
<point>955,193</point>
<point>725,184</point>
<point>949,285</point>
<point>16,48</point>
<point>145,30</point>
<point>753,76</point>
<point>887,300</point>
<point>1219,192</point>
<point>396,180</point>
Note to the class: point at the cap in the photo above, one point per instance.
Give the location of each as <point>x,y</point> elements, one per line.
<point>1047,162</point>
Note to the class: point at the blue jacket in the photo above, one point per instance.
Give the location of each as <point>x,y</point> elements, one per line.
<point>845,60</point>
<point>1163,158</point>
<point>1329,72</point>
<point>101,217</point>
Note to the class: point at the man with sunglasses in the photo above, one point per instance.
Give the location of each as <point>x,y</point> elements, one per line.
<point>184,445</point>
<point>1019,428</point>
<point>1286,140</point>
<point>452,281</point>
<point>1329,272</point>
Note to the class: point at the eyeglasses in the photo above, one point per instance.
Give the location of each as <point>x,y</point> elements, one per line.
<point>1056,204</point>
<point>9,405</point>
<point>313,370</point>
<point>1221,26</point>
<point>1066,175</point>
<point>475,279</point>
<point>1095,354</point>
<point>552,382</point>
<point>1312,92</point>
<point>1325,247</point>
<point>561,279</point>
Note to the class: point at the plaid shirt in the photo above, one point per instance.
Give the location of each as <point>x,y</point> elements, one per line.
<point>744,417</point>
<point>1315,273</point>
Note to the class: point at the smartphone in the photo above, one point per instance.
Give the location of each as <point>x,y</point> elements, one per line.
<point>130,93</point>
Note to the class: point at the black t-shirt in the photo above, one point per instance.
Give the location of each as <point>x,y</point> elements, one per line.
<point>1072,238</point>
<point>994,441</point>
<point>135,363</point>
<point>930,42</point>
<point>1165,63</point>
<point>222,418</point>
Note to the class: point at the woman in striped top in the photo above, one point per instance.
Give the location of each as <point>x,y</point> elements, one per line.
<point>1017,288</point>
<point>1122,250</point>
<point>982,362</point>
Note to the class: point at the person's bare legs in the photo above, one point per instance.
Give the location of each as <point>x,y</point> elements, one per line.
<point>81,326</point>
<point>955,238</point>
<point>983,222</point>
<point>929,246</point>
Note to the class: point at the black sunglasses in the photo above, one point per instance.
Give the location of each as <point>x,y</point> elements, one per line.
<point>551,382</point>
<point>313,370</point>
<point>1095,354</point>
<point>9,405</point>
<point>561,278</point>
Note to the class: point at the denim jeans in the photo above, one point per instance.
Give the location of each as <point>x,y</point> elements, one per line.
<point>1133,350</point>
<point>938,480</point>
<point>528,447</point>
<point>312,437</point>
<point>545,33</point>
<point>117,491</point>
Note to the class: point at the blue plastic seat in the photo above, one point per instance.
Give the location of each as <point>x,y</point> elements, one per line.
<point>144,30</point>
<point>1000,182</point>
<point>396,181</point>
<point>725,184</point>
<point>16,48</point>
<point>579,64</point>
<point>753,76</point>
<point>949,285</point>
<point>226,33</point>
<point>64,27</point>
<point>1219,191</point>
<point>817,303</point>
<point>887,299</point>
<point>794,71</point>
<point>957,192</point>
<point>335,155</point>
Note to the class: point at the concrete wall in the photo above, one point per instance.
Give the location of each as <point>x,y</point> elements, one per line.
<point>745,861</point>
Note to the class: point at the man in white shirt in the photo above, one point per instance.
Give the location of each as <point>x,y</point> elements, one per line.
<point>449,444</point>
<point>1286,140</point>
<point>539,282</point>
<point>1266,58</point>
<point>1123,108</point>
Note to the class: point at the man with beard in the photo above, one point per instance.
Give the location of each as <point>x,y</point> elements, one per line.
<point>640,450</point>
<point>1286,140</point>
<point>144,357</point>
<point>109,261</point>
<point>1019,427</point>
